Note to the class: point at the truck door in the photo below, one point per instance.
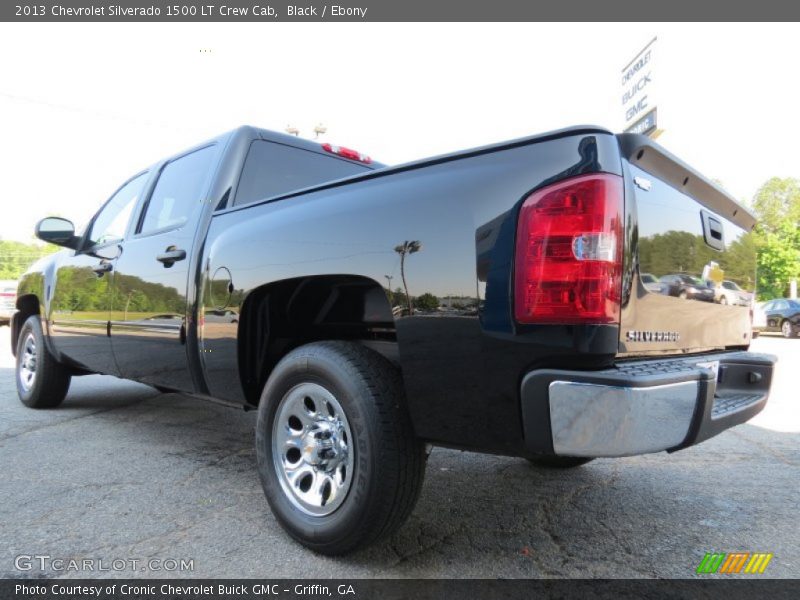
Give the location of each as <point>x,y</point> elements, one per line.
<point>149,298</point>
<point>79,309</point>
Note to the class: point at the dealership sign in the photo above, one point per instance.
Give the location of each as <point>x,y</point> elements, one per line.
<point>638,92</point>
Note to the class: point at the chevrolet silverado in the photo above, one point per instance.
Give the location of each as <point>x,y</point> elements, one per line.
<point>256,269</point>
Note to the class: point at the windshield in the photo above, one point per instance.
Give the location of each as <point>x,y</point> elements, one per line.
<point>691,280</point>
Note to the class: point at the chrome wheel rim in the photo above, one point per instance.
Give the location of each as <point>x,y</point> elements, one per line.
<point>787,329</point>
<point>311,449</point>
<point>26,365</point>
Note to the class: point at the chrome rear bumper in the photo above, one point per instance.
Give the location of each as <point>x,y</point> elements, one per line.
<point>602,420</point>
<point>639,407</point>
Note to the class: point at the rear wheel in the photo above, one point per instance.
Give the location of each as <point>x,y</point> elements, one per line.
<point>683,295</point>
<point>559,462</point>
<point>337,457</point>
<point>42,382</point>
<point>786,329</point>
<point>723,300</point>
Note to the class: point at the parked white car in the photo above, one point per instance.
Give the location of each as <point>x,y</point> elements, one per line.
<point>729,292</point>
<point>759,318</point>
<point>8,300</point>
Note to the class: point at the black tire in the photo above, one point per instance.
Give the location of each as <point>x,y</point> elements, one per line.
<point>48,387</point>
<point>559,462</point>
<point>388,463</point>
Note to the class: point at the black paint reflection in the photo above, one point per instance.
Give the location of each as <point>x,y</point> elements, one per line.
<point>682,282</point>
<point>148,316</point>
<point>332,263</point>
<point>79,314</point>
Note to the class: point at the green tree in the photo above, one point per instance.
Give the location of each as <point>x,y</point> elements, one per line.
<point>399,298</point>
<point>776,203</point>
<point>675,252</point>
<point>739,259</point>
<point>16,257</point>
<point>427,301</point>
<point>778,261</point>
<point>777,206</point>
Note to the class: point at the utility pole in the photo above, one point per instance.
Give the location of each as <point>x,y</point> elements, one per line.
<point>389,280</point>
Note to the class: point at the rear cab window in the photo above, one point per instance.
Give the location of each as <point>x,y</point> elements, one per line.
<point>178,191</point>
<point>272,169</point>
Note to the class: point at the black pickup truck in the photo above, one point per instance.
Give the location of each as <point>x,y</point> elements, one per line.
<point>257,268</point>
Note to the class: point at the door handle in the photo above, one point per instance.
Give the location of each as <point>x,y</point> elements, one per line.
<point>712,231</point>
<point>103,267</point>
<point>170,256</point>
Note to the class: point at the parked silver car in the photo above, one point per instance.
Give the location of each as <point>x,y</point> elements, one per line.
<point>652,284</point>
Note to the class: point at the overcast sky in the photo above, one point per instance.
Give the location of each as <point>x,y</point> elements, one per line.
<point>84,106</point>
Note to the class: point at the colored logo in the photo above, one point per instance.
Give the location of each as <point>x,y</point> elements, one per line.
<point>734,562</point>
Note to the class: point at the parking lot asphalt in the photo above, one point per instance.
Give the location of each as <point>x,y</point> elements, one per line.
<point>121,472</point>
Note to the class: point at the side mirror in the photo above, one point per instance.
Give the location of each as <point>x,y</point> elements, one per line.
<point>58,231</point>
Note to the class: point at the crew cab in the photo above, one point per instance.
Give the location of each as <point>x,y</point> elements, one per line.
<point>256,269</point>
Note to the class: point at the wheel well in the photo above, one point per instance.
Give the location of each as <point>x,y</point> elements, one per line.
<point>280,316</point>
<point>27,305</point>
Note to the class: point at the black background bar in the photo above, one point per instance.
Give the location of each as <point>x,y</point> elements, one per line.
<point>712,586</point>
<point>400,10</point>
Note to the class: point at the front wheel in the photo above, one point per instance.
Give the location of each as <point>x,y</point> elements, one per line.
<point>42,382</point>
<point>786,329</point>
<point>337,457</point>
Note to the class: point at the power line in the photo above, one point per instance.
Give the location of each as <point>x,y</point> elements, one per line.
<point>91,112</point>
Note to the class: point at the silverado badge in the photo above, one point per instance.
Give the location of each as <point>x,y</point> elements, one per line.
<point>652,336</point>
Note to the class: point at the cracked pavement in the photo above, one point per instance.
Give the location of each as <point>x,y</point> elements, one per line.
<point>121,471</point>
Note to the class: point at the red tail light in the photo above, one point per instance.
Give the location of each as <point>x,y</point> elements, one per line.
<point>568,266</point>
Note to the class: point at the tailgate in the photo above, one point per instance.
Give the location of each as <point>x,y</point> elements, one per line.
<point>692,260</point>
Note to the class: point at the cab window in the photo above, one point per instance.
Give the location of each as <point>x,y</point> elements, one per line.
<point>111,222</point>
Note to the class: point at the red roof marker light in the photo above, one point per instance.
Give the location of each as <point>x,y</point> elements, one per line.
<point>346,153</point>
